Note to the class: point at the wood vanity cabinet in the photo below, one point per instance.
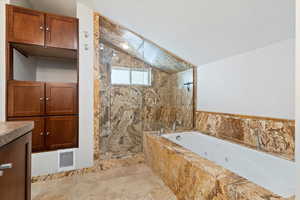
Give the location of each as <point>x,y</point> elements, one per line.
<point>38,132</point>
<point>33,27</point>
<point>15,182</point>
<point>25,98</point>
<point>53,132</point>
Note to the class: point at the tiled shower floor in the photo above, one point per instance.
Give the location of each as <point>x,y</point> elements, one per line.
<point>130,183</point>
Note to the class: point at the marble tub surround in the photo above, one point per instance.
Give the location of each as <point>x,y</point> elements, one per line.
<point>140,47</point>
<point>191,177</point>
<point>127,183</point>
<point>10,131</point>
<point>274,136</point>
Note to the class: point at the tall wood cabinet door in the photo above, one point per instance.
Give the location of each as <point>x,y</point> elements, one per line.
<point>61,98</point>
<point>15,181</point>
<point>61,132</point>
<point>25,98</point>
<point>61,32</point>
<point>38,132</point>
<point>25,26</point>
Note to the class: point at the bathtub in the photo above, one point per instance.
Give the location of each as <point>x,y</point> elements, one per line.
<point>273,173</point>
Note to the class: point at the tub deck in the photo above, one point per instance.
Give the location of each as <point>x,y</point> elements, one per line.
<point>191,176</point>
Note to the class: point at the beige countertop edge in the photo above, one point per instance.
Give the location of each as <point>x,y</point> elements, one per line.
<point>9,131</point>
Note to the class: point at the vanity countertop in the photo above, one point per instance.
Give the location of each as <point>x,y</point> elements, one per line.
<point>10,131</point>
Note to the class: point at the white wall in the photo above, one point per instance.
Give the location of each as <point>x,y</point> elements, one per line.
<point>24,67</point>
<point>297,91</point>
<point>22,3</point>
<point>44,69</point>
<point>56,70</point>
<point>86,88</point>
<point>2,59</point>
<point>45,163</point>
<point>259,82</point>
<point>59,7</point>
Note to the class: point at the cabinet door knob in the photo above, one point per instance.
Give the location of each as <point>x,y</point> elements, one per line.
<point>41,99</point>
<point>47,29</point>
<point>47,99</point>
<point>41,133</point>
<point>41,28</point>
<point>6,166</point>
<point>48,133</point>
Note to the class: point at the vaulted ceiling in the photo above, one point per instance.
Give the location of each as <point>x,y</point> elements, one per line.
<point>199,31</point>
<point>127,41</point>
<point>202,31</point>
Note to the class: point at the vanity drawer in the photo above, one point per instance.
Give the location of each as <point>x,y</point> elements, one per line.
<point>15,169</point>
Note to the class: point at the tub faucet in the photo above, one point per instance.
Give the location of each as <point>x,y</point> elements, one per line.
<point>175,123</point>
<point>258,140</point>
<point>161,131</point>
<point>178,137</point>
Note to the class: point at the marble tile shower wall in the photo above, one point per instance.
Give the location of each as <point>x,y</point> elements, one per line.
<point>274,136</point>
<point>183,99</point>
<point>128,110</point>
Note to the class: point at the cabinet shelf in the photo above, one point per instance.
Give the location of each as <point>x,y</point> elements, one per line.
<point>41,51</point>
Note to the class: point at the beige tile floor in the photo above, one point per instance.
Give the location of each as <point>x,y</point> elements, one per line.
<point>129,183</point>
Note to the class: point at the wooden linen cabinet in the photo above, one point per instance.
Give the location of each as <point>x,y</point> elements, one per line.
<point>61,98</point>
<point>55,112</point>
<point>37,28</point>
<point>25,25</point>
<point>25,98</point>
<point>53,106</point>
